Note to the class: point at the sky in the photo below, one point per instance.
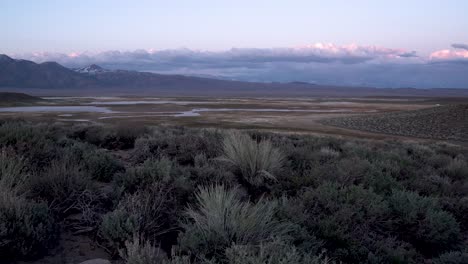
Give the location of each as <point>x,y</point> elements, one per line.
<point>361,42</point>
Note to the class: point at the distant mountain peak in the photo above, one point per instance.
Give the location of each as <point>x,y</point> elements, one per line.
<point>4,57</point>
<point>51,63</point>
<point>95,67</point>
<point>91,69</point>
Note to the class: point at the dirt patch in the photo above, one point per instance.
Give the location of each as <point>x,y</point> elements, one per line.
<point>442,122</point>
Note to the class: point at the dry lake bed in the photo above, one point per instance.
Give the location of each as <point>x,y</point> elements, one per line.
<point>274,114</point>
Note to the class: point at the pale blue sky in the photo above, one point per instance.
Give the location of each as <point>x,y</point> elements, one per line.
<point>99,25</point>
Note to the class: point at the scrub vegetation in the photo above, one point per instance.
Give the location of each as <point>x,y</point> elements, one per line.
<point>188,195</point>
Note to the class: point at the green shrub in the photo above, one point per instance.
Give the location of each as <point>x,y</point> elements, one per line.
<point>27,229</point>
<point>101,165</point>
<point>453,257</point>
<point>347,219</point>
<point>180,144</point>
<point>221,218</point>
<point>255,161</point>
<point>12,171</point>
<point>421,221</point>
<point>117,227</point>
<point>329,152</point>
<point>153,208</point>
<point>351,170</point>
<point>35,143</point>
<point>457,169</point>
<point>458,207</point>
<point>140,251</point>
<point>439,160</point>
<point>432,185</point>
<point>150,213</point>
<point>274,252</point>
<point>109,137</point>
<point>61,185</point>
<point>151,171</point>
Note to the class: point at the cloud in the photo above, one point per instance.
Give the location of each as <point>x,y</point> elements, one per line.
<point>319,63</point>
<point>411,54</point>
<point>320,53</point>
<point>450,56</point>
<point>460,46</point>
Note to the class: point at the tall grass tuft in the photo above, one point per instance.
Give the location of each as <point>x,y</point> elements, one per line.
<point>140,251</point>
<point>62,184</point>
<point>27,229</point>
<point>221,219</point>
<point>149,213</point>
<point>256,161</point>
<point>272,252</point>
<point>12,172</point>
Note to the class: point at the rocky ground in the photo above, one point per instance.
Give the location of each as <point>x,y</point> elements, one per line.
<point>441,122</point>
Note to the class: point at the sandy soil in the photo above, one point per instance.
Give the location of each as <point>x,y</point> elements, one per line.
<point>300,115</point>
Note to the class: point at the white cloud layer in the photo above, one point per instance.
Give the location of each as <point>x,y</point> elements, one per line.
<point>318,63</point>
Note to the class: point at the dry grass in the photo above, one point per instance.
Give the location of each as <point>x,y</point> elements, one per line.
<point>256,161</point>
<point>12,175</point>
<point>221,219</point>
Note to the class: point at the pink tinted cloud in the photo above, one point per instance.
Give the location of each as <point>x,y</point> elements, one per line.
<point>330,49</point>
<point>449,55</point>
<point>318,52</point>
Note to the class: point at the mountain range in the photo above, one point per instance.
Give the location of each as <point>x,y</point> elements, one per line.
<point>21,75</point>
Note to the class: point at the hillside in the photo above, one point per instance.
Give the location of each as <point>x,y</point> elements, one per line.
<point>443,122</point>
<point>28,76</point>
<point>8,98</point>
<point>23,73</point>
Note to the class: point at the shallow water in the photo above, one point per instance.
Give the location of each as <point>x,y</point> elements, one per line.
<point>148,102</point>
<point>30,109</point>
<point>197,111</point>
<point>74,120</point>
<point>156,114</point>
<point>81,97</point>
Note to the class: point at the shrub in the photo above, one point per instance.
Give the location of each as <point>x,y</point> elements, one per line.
<point>274,252</point>
<point>122,137</point>
<point>422,222</point>
<point>351,170</point>
<point>255,161</point>
<point>115,137</point>
<point>380,178</point>
<point>61,185</point>
<point>457,169</point>
<point>439,160</point>
<point>180,144</point>
<point>432,184</point>
<point>117,227</point>
<point>453,257</point>
<point>329,152</point>
<point>347,219</point>
<point>149,212</point>
<point>27,229</point>
<point>101,165</point>
<point>12,171</point>
<point>221,219</point>
<point>151,171</point>
<point>153,209</point>
<point>140,251</point>
<point>34,142</point>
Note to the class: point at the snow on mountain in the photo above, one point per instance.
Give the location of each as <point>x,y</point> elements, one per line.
<point>91,69</point>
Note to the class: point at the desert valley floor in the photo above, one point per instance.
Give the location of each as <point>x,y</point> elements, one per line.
<point>321,116</point>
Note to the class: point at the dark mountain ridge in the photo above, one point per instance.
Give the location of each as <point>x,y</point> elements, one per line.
<point>23,75</point>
